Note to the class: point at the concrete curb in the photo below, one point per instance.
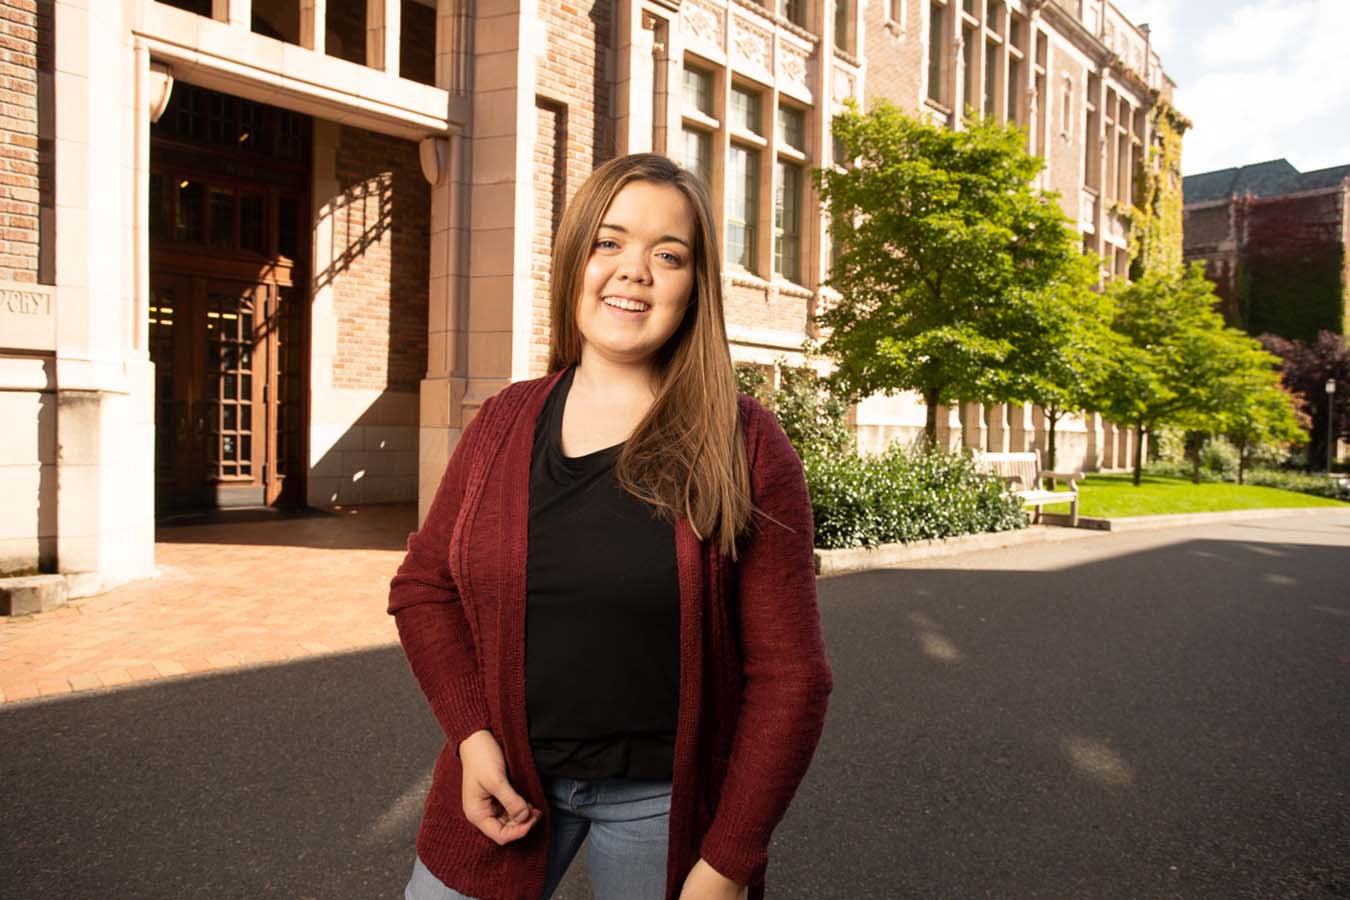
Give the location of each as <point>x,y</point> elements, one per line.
<point>1053,528</point>
<point>856,559</point>
<point>1142,523</point>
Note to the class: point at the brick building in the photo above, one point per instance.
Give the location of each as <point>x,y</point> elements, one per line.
<point>1274,241</point>
<point>279,251</point>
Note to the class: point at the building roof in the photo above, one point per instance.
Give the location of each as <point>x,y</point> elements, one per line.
<point>1263,179</point>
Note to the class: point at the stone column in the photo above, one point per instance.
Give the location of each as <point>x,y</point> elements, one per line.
<point>948,428</point>
<point>996,418</point>
<point>1125,448</point>
<point>972,426</point>
<point>1019,427</point>
<point>382,34</point>
<point>238,13</point>
<point>637,72</point>
<point>313,14</point>
<point>104,381</point>
<point>1108,446</point>
<point>1092,460</point>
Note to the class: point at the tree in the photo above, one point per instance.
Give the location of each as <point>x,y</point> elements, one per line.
<point>943,253</point>
<point>1305,368</point>
<point>1177,362</point>
<point>1059,365</point>
<point>1263,413</point>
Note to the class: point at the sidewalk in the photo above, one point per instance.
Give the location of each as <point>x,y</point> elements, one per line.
<point>227,595</point>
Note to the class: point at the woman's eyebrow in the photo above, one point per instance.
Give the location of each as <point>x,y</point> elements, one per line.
<point>663,239</point>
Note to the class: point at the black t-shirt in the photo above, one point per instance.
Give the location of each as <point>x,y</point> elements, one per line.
<point>602,622</point>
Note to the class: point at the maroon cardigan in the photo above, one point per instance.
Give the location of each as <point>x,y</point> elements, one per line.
<point>754,678</point>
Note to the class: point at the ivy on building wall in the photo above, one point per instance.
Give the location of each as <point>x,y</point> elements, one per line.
<point>1291,281</point>
<point>1155,219</point>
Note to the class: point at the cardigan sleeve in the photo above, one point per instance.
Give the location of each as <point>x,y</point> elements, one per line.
<point>786,675</point>
<point>425,604</point>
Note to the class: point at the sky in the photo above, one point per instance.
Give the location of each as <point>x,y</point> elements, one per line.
<point>1261,79</point>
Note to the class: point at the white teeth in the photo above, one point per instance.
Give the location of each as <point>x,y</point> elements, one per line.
<point>625,303</point>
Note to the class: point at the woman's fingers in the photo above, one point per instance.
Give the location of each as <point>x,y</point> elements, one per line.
<point>496,809</point>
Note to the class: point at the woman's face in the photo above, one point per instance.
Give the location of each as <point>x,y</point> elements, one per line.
<point>640,275</point>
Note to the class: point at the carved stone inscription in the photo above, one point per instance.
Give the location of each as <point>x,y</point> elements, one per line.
<point>27,316</point>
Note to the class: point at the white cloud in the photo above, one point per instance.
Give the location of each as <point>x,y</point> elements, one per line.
<point>1275,86</point>
<point>1258,32</point>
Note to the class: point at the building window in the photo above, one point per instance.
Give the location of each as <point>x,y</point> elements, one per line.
<point>841,24</point>
<point>793,10</point>
<point>698,90</point>
<point>1014,90</point>
<point>837,152</point>
<point>742,203</point>
<point>792,128</point>
<point>1066,109</point>
<point>937,42</point>
<point>968,64</point>
<point>696,154</point>
<point>990,78</point>
<point>787,210</point>
<point>745,111</point>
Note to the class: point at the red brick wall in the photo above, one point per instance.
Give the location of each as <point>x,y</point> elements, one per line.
<point>20,184</point>
<point>895,60</point>
<point>574,133</point>
<point>755,307</point>
<point>381,234</point>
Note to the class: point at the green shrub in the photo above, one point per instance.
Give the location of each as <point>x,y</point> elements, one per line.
<point>814,417</point>
<point>862,501</point>
<point>1285,480</point>
<point>1220,458</point>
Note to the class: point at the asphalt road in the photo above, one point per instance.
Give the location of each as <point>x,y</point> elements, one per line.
<point>1139,715</point>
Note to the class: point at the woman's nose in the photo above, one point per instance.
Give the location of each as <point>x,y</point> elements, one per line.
<point>633,267</point>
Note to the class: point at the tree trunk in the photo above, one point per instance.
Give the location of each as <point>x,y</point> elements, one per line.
<point>1138,454</point>
<point>1242,461</point>
<point>930,398</point>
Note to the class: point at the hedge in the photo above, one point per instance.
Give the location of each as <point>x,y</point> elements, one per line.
<point>899,496</point>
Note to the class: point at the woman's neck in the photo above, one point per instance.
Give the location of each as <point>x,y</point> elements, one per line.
<point>615,383</point>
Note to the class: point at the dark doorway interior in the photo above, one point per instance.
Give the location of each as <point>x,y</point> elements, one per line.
<point>229,310</point>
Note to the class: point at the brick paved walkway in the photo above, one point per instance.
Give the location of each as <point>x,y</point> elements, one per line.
<point>227,595</point>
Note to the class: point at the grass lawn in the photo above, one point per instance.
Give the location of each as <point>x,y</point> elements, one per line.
<point>1111,496</point>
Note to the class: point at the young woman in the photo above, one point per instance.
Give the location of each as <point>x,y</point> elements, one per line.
<point>611,606</point>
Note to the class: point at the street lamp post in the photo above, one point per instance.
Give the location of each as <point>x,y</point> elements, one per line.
<point>1331,422</point>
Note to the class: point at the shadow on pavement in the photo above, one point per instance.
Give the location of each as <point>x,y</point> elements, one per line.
<point>376,527</point>
<point>1167,723</point>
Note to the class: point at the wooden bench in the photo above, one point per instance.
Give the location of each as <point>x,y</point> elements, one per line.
<point>1025,476</point>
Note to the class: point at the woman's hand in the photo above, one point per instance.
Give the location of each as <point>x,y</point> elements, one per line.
<point>706,883</point>
<point>490,803</point>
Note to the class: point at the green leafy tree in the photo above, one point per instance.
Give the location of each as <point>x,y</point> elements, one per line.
<point>1176,362</point>
<point>1059,365</point>
<point>943,253</point>
<point>1263,414</point>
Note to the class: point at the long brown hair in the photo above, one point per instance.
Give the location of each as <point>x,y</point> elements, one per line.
<point>687,455</point>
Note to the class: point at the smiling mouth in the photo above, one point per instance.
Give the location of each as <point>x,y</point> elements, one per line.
<point>626,304</point>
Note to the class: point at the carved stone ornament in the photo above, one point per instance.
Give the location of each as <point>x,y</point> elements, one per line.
<point>702,21</point>
<point>751,44</point>
<point>792,65</point>
<point>159,87</point>
<point>843,84</point>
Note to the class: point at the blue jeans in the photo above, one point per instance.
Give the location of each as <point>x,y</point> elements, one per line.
<point>628,820</point>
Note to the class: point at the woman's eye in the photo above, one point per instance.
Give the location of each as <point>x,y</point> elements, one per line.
<point>605,243</point>
<point>671,258</point>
